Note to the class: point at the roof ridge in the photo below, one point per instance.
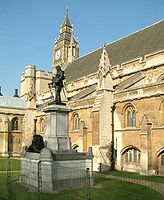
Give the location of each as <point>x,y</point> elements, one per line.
<point>69,64</point>
<point>119,39</point>
<point>132,46</point>
<point>135,32</point>
<point>89,53</point>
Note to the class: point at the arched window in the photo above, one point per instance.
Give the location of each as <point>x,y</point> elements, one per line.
<point>131,116</point>
<point>76,122</point>
<point>132,156</point>
<point>161,108</point>
<point>41,124</point>
<point>14,124</point>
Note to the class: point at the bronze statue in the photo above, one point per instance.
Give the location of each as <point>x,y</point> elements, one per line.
<point>57,83</point>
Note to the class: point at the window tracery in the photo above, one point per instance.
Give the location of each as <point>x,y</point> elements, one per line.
<point>132,156</point>
<point>130,114</point>
<point>76,122</point>
<point>14,124</point>
<point>41,125</point>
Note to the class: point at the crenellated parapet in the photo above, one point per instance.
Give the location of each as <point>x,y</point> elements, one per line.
<point>34,81</point>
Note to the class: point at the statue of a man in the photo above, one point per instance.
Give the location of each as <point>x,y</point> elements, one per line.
<point>57,83</point>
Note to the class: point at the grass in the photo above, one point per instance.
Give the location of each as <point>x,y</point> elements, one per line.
<point>14,164</point>
<point>104,189</point>
<point>158,179</point>
<point>119,190</point>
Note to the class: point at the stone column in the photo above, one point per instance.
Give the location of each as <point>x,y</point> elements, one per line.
<point>5,137</point>
<point>146,147</point>
<point>29,125</point>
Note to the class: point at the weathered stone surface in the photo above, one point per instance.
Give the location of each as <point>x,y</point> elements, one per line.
<point>56,134</point>
<point>58,170</point>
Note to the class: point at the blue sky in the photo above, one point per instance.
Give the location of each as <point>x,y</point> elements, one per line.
<point>28,29</point>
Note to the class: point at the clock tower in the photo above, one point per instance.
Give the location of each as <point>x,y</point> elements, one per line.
<point>66,47</point>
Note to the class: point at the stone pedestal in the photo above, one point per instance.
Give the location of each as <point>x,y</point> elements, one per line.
<point>56,133</point>
<point>48,171</point>
<point>56,166</point>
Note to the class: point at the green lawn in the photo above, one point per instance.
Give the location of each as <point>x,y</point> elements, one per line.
<point>159,179</point>
<point>13,164</point>
<point>104,189</point>
<point>120,190</point>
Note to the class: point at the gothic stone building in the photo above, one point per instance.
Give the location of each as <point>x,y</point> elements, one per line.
<point>116,96</point>
<point>12,111</point>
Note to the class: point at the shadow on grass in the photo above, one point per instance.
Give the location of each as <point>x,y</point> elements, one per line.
<point>122,190</point>
<point>2,198</point>
<point>103,189</point>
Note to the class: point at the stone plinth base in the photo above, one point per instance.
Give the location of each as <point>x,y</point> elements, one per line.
<point>148,172</point>
<point>50,171</point>
<point>56,132</point>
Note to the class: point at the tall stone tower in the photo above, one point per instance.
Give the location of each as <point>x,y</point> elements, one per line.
<point>66,47</point>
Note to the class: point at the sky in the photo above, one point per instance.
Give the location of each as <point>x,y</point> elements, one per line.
<point>28,29</point>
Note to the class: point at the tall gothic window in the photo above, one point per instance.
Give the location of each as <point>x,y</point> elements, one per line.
<point>76,122</point>
<point>131,117</point>
<point>14,124</point>
<point>132,156</point>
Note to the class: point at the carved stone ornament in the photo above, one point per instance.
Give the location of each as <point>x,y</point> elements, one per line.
<point>31,93</point>
<point>104,66</point>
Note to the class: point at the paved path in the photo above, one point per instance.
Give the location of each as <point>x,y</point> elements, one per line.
<point>3,172</point>
<point>159,187</point>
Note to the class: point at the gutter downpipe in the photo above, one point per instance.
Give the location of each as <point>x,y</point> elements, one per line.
<point>112,142</point>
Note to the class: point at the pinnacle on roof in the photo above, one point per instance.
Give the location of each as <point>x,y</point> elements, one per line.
<point>16,93</point>
<point>66,21</point>
<point>0,92</point>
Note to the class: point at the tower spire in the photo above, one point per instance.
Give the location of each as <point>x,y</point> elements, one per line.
<point>66,21</point>
<point>66,48</point>
<point>67,6</point>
